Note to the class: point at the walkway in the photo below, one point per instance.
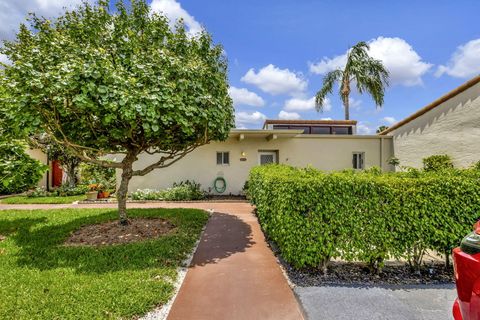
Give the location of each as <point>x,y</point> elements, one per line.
<point>233,274</point>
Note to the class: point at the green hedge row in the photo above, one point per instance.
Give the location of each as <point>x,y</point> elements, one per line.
<point>363,216</point>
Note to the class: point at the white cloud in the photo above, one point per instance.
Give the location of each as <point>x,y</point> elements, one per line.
<point>354,103</point>
<point>299,104</point>
<point>327,118</point>
<point>404,64</point>
<point>364,128</point>
<point>174,11</point>
<point>244,118</point>
<point>284,115</point>
<point>389,120</point>
<point>465,61</point>
<point>14,12</point>
<point>242,96</point>
<point>274,80</point>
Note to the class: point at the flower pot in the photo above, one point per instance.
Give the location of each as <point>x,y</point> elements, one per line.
<point>103,194</point>
<point>91,195</point>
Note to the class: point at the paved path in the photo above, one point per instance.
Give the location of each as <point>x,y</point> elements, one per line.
<point>407,303</point>
<point>233,275</point>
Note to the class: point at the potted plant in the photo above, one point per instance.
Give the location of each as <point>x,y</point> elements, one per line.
<point>103,191</point>
<point>92,192</point>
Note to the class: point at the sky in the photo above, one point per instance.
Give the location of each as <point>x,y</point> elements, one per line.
<point>279,51</point>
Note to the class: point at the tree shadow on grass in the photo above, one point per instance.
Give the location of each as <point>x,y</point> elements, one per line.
<point>224,236</point>
<point>42,247</point>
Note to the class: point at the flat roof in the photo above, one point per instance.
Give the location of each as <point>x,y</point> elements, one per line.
<point>310,122</point>
<point>434,104</point>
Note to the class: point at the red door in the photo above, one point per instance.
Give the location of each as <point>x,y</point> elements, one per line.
<point>57,174</point>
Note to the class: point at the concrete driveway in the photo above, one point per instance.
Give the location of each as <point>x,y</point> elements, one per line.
<point>406,303</point>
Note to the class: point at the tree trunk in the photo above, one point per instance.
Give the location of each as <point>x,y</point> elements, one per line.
<point>71,176</point>
<point>122,191</point>
<point>346,105</point>
<point>346,97</point>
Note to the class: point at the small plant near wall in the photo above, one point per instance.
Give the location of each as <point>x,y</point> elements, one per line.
<point>181,191</point>
<point>394,161</point>
<point>437,162</point>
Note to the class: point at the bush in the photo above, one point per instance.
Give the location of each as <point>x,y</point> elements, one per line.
<point>437,163</point>
<point>18,172</point>
<point>62,191</point>
<point>365,216</point>
<point>93,174</point>
<point>182,191</point>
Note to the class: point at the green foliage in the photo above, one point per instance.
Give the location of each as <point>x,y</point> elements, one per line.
<point>62,191</point>
<point>394,161</point>
<point>182,191</point>
<point>114,78</point>
<point>94,174</point>
<point>43,279</point>
<point>365,216</point>
<point>381,128</point>
<point>437,162</point>
<point>18,172</point>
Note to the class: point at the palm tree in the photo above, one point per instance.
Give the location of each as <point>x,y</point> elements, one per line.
<point>368,74</point>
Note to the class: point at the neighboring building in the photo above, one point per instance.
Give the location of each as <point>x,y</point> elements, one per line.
<point>449,125</point>
<point>53,177</point>
<point>323,144</point>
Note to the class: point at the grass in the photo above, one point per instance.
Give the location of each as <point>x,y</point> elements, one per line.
<point>42,200</point>
<point>42,279</point>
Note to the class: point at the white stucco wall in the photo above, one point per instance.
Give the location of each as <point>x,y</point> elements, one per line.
<point>452,128</point>
<point>322,152</point>
<point>38,154</point>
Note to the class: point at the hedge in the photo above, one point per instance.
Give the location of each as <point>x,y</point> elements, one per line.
<point>18,172</point>
<point>363,216</point>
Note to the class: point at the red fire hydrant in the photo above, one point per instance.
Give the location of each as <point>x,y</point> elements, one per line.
<point>466,261</point>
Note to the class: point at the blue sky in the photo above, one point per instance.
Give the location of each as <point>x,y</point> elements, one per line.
<point>278,51</point>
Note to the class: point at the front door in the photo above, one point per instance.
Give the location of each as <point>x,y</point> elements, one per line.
<point>266,157</point>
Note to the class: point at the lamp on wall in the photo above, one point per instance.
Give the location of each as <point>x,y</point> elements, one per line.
<point>243,154</point>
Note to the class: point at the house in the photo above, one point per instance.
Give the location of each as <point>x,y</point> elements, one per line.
<point>449,125</point>
<point>323,144</point>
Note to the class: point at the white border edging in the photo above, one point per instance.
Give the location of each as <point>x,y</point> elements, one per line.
<point>162,312</point>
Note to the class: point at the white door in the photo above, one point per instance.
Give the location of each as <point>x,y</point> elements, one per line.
<point>266,157</point>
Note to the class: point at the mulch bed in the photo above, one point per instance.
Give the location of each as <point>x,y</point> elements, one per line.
<point>357,274</point>
<point>111,232</point>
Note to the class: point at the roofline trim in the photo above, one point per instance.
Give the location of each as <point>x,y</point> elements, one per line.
<point>467,85</point>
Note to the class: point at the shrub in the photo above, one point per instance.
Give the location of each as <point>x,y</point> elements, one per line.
<point>365,216</point>
<point>93,174</point>
<point>18,172</point>
<point>62,191</point>
<point>182,191</point>
<point>437,162</point>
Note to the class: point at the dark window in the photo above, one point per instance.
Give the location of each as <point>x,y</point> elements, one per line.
<point>341,130</point>
<point>320,130</point>
<point>223,158</point>
<point>358,160</point>
<point>304,128</point>
<point>280,127</point>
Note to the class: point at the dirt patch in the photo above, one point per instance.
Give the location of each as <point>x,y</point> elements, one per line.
<point>110,233</point>
<point>2,238</point>
<point>354,273</point>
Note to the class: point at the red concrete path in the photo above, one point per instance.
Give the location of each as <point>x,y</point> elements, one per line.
<point>233,274</point>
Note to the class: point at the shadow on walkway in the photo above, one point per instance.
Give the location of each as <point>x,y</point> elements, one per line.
<point>224,236</point>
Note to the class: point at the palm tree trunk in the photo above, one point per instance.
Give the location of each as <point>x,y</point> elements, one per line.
<point>346,106</point>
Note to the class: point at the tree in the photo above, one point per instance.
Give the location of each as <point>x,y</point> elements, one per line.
<point>367,74</point>
<point>101,80</point>
<point>382,128</point>
<point>56,151</point>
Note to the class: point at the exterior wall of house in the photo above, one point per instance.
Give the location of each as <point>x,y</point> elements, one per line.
<point>322,152</point>
<point>38,154</point>
<point>452,128</point>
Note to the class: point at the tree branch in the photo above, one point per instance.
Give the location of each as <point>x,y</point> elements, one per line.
<point>162,163</point>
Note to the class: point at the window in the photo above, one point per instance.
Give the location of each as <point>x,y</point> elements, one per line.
<point>320,130</point>
<point>267,157</point>
<point>358,160</point>
<point>342,130</point>
<point>223,158</point>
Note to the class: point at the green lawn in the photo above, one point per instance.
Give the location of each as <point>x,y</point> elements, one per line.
<point>42,279</point>
<point>40,200</point>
